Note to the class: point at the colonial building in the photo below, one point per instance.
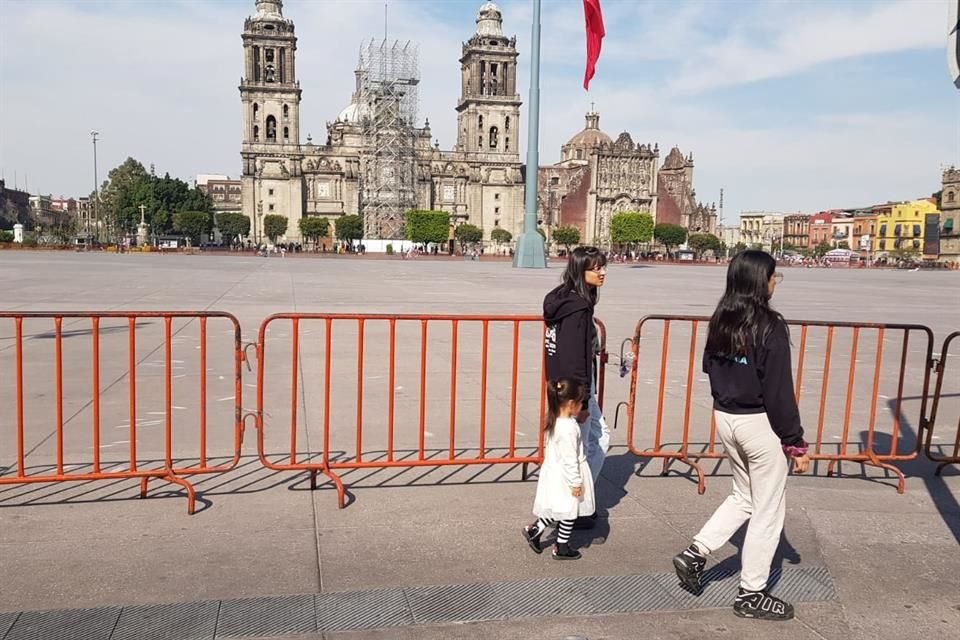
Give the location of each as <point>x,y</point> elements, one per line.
<point>376,161</point>
<point>950,216</point>
<point>598,177</point>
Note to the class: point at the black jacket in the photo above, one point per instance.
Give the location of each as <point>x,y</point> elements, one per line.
<point>570,336</point>
<point>760,382</point>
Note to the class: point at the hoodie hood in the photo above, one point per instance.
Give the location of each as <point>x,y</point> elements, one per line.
<point>562,302</point>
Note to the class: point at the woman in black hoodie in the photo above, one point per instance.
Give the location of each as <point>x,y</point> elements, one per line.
<point>747,358</point>
<point>571,347</point>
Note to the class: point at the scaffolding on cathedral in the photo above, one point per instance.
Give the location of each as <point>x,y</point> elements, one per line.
<point>388,81</point>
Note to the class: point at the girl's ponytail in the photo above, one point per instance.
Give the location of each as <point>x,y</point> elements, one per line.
<point>560,392</point>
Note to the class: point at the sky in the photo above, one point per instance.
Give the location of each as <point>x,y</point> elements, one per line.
<point>786,106</point>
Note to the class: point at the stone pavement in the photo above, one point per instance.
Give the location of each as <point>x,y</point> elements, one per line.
<point>437,553</point>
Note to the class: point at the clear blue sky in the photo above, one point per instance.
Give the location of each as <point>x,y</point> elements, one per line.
<point>786,105</point>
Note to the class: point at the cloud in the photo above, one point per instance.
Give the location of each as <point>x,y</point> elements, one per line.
<point>800,36</point>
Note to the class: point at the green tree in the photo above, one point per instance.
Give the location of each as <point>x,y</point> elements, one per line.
<point>740,247</point>
<point>501,236</point>
<point>274,226</point>
<point>6,236</point>
<point>632,228</point>
<point>468,234</point>
<point>314,228</point>
<point>193,224</point>
<point>669,235</point>
<point>232,225</point>
<point>428,226</point>
<point>843,245</point>
<point>821,249</point>
<point>567,236</point>
<point>349,228</point>
<point>701,242</point>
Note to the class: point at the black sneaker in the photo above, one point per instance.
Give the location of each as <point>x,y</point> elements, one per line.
<point>761,605</point>
<point>533,539</point>
<point>689,565</point>
<point>562,551</point>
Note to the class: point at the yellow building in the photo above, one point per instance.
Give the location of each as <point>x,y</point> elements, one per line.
<point>902,227</point>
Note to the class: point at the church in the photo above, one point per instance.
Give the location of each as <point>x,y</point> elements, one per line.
<point>378,161</point>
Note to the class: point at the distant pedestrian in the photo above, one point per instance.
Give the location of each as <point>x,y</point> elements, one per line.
<point>747,358</point>
<point>565,486</point>
<point>572,345</point>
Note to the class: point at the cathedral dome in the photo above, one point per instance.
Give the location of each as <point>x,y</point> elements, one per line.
<point>354,113</point>
<point>583,142</point>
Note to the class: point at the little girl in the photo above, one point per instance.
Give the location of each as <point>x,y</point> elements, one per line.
<point>565,486</point>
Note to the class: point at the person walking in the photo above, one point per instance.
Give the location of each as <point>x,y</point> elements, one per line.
<point>565,485</point>
<point>571,346</point>
<point>747,358</point>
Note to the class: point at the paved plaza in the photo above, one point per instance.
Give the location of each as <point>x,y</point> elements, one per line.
<point>437,553</point>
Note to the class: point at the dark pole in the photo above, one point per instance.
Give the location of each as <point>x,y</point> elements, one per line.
<point>96,187</point>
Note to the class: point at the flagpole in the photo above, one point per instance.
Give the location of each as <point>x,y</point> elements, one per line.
<point>530,252</point>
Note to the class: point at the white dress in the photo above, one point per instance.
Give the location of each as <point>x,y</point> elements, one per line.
<point>564,466</point>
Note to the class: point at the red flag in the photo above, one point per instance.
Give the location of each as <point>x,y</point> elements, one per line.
<point>595,33</point>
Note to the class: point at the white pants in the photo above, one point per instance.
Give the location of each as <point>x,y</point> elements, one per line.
<point>759,478</point>
<point>595,435</point>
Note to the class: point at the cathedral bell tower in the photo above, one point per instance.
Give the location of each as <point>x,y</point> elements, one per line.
<point>489,107</point>
<point>269,89</point>
<point>270,98</point>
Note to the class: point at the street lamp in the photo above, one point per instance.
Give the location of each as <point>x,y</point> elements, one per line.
<point>96,186</point>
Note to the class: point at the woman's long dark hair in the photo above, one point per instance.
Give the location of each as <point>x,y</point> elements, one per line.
<point>743,318</point>
<point>581,260</point>
<point>560,392</point>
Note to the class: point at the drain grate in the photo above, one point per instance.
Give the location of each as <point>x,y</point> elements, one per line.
<point>384,608</point>
<point>255,617</point>
<point>181,621</point>
<point>65,624</point>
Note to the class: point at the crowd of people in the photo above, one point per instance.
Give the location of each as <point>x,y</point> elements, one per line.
<point>747,360</point>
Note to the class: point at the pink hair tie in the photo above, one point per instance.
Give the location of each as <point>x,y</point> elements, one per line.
<point>795,450</point>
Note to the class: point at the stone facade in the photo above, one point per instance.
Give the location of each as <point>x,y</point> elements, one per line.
<point>950,216</point>
<point>14,207</point>
<point>598,177</point>
<point>480,181</point>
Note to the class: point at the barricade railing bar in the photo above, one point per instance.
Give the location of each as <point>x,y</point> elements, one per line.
<point>952,454</point>
<point>441,348</point>
<point>135,464</point>
<point>679,435</point>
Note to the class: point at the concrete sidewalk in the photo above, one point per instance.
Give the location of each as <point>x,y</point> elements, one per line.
<point>439,555</point>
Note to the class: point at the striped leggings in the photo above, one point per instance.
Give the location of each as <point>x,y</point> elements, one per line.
<point>564,528</point>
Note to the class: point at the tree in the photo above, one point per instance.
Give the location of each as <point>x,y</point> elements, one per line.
<point>468,234</point>
<point>501,236</point>
<point>428,226</point>
<point>274,226</point>
<point>6,236</point>
<point>349,228</point>
<point>740,247</point>
<point>843,245</point>
<point>821,249</point>
<point>669,235</point>
<point>314,228</point>
<point>193,224</point>
<point>632,228</point>
<point>567,236</point>
<point>232,225</point>
<point>701,242</point>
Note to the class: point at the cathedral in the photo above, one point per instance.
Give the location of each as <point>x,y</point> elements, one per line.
<point>378,162</point>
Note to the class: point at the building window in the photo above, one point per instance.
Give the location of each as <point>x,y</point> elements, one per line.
<point>496,223</point>
<point>496,196</point>
<point>883,230</point>
<point>286,134</point>
<point>896,230</point>
<point>883,245</point>
<point>496,211</point>
<point>256,64</point>
<point>506,144</point>
<point>916,230</point>
<point>269,192</point>
<point>271,129</point>
<point>286,112</point>
<point>494,137</point>
<point>506,127</point>
<point>256,111</point>
<point>256,133</point>
<point>951,196</point>
<point>554,181</point>
<point>916,244</point>
<point>579,154</point>
<point>270,207</point>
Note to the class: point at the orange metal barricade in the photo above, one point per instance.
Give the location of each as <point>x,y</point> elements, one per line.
<point>681,416</point>
<point>953,451</point>
<point>135,466</point>
<point>469,369</point>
